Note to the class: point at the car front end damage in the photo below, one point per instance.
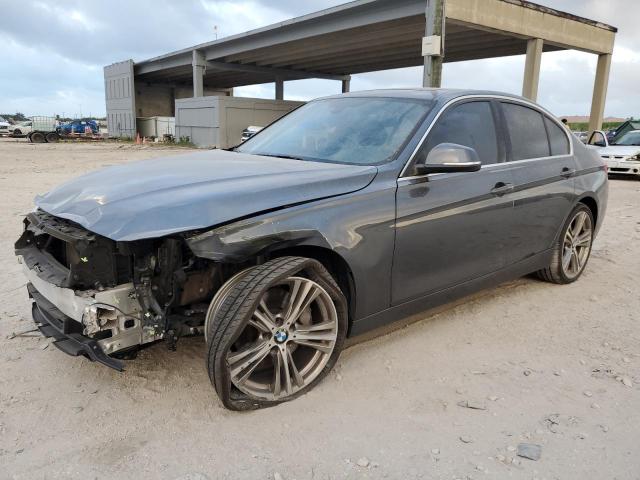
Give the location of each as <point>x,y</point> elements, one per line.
<point>104,299</point>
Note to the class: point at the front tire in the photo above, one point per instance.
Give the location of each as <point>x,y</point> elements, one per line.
<point>572,249</point>
<point>276,334</point>
<point>37,137</point>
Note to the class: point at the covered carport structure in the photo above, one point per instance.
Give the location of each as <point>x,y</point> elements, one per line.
<point>366,36</point>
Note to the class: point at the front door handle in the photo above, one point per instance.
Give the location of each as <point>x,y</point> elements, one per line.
<point>568,172</point>
<point>501,188</point>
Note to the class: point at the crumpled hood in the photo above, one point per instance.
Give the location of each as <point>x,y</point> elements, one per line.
<point>152,198</point>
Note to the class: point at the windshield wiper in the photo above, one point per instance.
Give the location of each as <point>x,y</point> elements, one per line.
<point>289,157</point>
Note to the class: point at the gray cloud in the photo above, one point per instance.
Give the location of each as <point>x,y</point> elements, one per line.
<point>53,56</point>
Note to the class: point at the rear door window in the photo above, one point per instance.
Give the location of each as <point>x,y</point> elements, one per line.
<point>558,140</point>
<point>470,124</point>
<point>526,131</point>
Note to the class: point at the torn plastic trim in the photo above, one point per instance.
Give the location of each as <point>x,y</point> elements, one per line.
<point>53,323</point>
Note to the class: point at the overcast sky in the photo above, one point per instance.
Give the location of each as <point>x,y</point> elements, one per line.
<point>52,52</point>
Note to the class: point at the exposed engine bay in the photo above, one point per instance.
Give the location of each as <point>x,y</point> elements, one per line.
<point>116,295</point>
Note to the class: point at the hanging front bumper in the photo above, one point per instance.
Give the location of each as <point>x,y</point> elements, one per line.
<point>67,332</point>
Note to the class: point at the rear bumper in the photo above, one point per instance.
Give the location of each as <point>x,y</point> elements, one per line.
<point>67,332</point>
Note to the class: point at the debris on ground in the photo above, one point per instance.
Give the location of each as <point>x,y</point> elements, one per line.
<point>23,333</point>
<point>474,405</point>
<point>626,381</point>
<point>530,451</point>
<point>363,462</point>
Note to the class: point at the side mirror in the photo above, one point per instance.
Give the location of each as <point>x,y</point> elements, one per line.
<point>449,157</point>
<point>598,139</point>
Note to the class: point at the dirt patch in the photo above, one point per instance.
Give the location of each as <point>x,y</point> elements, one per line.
<point>455,395</point>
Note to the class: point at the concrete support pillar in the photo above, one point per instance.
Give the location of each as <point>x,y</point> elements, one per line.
<point>346,84</point>
<point>434,17</point>
<point>198,63</point>
<point>600,92</point>
<point>532,69</point>
<point>279,88</point>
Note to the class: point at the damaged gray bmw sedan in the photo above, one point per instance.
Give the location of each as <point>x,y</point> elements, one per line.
<point>346,214</point>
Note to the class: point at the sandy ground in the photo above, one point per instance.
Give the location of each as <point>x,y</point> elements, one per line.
<point>546,363</point>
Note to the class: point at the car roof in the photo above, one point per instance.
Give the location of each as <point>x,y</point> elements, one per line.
<point>438,94</point>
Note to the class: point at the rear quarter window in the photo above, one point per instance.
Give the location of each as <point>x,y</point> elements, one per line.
<point>558,140</point>
<point>526,131</point>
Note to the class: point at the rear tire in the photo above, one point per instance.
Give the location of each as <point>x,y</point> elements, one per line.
<point>276,334</point>
<point>38,137</point>
<point>572,249</point>
<point>52,137</point>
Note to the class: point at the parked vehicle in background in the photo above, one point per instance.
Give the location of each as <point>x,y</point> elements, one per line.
<point>622,155</point>
<point>249,132</point>
<point>43,129</point>
<point>345,215</point>
<point>78,127</point>
<point>582,136</point>
<point>48,129</point>
<point>21,129</point>
<point>4,128</point>
<point>623,128</point>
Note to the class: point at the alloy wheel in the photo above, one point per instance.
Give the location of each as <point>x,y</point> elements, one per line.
<point>577,244</point>
<point>287,342</point>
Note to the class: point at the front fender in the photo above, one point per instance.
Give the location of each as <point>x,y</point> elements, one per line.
<point>238,242</point>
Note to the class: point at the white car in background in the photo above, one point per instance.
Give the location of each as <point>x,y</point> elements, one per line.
<point>622,155</point>
<point>4,127</point>
<point>20,129</point>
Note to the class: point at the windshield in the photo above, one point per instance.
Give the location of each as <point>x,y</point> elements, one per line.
<point>352,130</point>
<point>629,138</point>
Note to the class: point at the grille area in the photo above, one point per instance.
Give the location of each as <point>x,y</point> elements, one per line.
<point>84,259</point>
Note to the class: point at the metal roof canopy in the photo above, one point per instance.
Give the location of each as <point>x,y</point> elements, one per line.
<point>371,35</point>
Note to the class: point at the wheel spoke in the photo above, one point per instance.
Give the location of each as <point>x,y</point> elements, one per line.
<point>568,238</point>
<point>330,325</point>
<point>583,239</point>
<point>566,259</point>
<point>277,382</point>
<point>318,346</point>
<point>578,261</point>
<point>258,325</point>
<point>287,375</point>
<point>319,331</point>
<point>319,336</point>
<point>294,370</point>
<point>262,307</point>
<point>573,266</point>
<point>299,300</point>
<point>243,363</point>
<point>263,317</point>
<point>579,223</point>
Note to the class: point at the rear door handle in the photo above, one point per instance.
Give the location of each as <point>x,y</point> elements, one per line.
<point>568,172</point>
<point>501,188</point>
